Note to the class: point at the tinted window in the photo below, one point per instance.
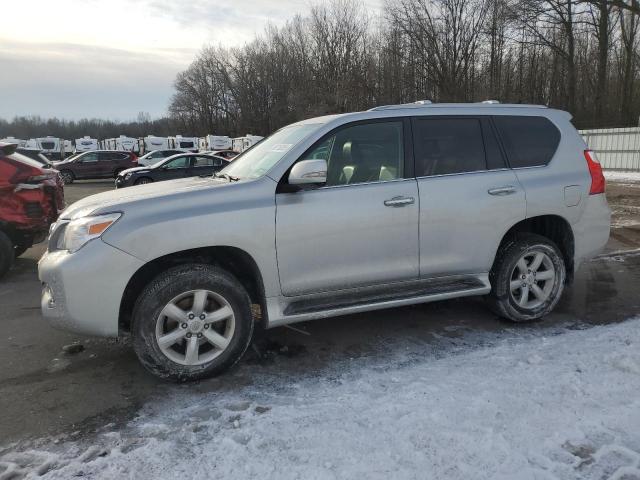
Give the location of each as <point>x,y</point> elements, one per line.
<point>362,153</point>
<point>88,157</point>
<point>529,141</point>
<point>182,162</point>
<point>448,145</point>
<point>48,145</point>
<point>203,162</point>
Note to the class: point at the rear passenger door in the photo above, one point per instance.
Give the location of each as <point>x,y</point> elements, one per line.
<point>468,196</point>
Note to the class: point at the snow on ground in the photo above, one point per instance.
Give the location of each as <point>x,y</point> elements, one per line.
<point>622,177</point>
<point>561,404</point>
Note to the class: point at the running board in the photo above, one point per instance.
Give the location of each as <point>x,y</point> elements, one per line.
<point>330,304</point>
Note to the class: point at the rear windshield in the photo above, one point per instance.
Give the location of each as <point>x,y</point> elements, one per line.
<point>529,141</point>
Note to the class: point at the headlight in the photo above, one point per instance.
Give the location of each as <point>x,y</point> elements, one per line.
<point>127,176</point>
<point>85,229</point>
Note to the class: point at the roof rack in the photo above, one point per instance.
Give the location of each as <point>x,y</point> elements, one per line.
<point>430,104</point>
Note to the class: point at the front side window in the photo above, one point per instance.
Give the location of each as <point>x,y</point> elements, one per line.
<point>448,145</point>
<point>529,141</point>
<point>89,157</point>
<point>203,162</point>
<point>182,162</point>
<point>363,153</point>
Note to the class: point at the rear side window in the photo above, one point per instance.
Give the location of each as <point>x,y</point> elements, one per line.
<point>529,141</point>
<point>448,145</point>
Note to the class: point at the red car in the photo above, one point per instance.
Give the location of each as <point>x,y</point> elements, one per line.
<point>31,197</point>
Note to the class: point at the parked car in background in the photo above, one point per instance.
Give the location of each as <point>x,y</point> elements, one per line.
<point>31,198</point>
<point>176,166</point>
<point>96,164</point>
<point>155,156</point>
<point>35,154</point>
<point>228,154</point>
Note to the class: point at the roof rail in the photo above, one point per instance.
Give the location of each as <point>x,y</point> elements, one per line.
<point>416,104</point>
<point>490,102</point>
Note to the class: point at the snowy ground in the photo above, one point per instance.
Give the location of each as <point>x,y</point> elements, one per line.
<point>622,177</point>
<point>533,404</point>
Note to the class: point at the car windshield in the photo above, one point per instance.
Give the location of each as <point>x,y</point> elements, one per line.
<point>256,161</point>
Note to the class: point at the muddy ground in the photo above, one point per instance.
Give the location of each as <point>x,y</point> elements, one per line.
<point>44,391</point>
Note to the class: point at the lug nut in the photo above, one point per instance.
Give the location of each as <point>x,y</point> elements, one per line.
<point>199,335</point>
<point>189,335</point>
<point>184,325</point>
<point>206,325</point>
<point>202,316</point>
<point>191,316</point>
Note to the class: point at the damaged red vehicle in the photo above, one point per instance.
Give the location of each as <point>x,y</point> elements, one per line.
<point>31,197</point>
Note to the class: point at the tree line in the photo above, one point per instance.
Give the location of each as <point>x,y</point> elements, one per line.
<point>578,55</point>
<point>35,126</point>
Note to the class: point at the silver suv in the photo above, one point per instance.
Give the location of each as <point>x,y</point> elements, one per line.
<point>398,205</point>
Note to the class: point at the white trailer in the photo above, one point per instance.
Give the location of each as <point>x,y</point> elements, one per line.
<point>616,148</point>
<point>14,141</point>
<point>155,143</point>
<point>52,147</point>
<point>187,144</point>
<point>86,144</point>
<point>126,144</point>
<point>240,144</point>
<point>218,142</point>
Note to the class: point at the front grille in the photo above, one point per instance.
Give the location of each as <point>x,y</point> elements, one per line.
<point>33,209</point>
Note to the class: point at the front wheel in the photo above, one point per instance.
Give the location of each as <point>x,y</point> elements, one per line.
<point>143,181</point>
<point>527,278</point>
<point>191,322</point>
<point>67,177</point>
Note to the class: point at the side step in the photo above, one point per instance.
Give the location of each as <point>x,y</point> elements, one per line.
<point>383,293</point>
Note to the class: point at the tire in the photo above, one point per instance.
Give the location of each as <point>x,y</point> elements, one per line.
<point>67,177</point>
<point>532,296</point>
<point>143,181</point>
<point>7,254</point>
<point>176,287</point>
<point>18,250</point>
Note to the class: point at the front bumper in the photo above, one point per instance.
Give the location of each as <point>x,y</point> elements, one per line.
<point>82,290</point>
<point>121,182</point>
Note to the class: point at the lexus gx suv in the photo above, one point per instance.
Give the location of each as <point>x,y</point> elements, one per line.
<point>398,205</point>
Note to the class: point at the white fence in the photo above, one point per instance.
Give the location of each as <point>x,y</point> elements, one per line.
<point>617,148</point>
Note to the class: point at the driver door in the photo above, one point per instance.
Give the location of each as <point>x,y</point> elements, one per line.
<point>87,166</point>
<point>359,229</point>
<point>176,168</point>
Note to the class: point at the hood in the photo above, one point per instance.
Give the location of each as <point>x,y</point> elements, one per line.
<point>123,199</point>
<point>134,169</point>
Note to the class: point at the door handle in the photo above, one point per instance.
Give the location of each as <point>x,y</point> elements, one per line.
<point>500,191</point>
<point>399,201</point>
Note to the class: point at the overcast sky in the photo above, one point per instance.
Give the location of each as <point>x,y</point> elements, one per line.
<point>114,58</point>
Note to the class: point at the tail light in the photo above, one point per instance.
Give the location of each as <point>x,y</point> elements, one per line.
<point>595,169</point>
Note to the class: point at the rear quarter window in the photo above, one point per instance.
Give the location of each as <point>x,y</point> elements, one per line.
<point>529,141</point>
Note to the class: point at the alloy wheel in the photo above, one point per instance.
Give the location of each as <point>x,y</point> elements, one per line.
<point>532,279</point>
<point>195,327</point>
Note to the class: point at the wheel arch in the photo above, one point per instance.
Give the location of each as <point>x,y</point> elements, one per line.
<point>555,228</point>
<point>234,260</point>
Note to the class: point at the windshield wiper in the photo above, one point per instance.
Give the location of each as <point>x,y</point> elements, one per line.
<point>231,178</point>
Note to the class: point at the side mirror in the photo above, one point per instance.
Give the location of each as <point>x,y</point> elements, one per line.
<point>308,172</point>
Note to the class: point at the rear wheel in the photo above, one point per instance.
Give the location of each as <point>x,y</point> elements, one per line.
<point>67,177</point>
<point>191,322</point>
<point>527,279</point>
<point>7,254</point>
<point>143,181</point>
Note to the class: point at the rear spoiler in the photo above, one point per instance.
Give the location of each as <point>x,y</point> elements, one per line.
<point>7,148</point>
